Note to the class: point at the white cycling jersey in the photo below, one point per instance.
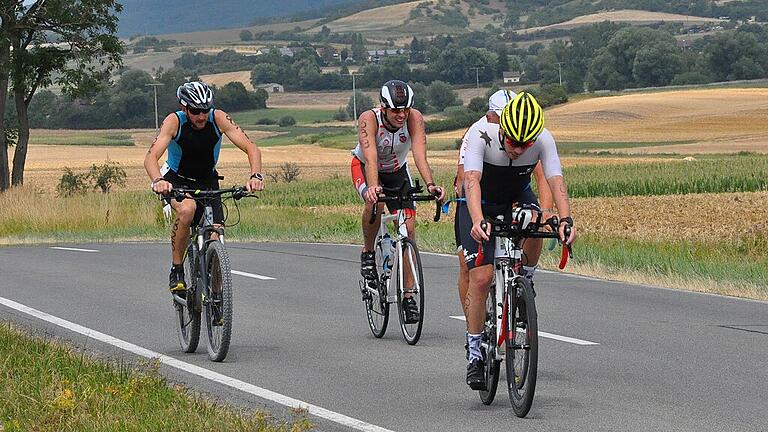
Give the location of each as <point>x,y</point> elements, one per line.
<point>392,147</point>
<point>503,179</point>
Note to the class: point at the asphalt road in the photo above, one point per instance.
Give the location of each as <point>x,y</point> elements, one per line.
<point>660,359</point>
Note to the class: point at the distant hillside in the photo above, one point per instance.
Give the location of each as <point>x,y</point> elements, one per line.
<point>181,16</point>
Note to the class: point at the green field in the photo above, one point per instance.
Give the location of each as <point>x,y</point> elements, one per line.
<point>86,138</point>
<point>47,387</point>
<point>339,137</point>
<point>302,116</point>
<point>738,173</point>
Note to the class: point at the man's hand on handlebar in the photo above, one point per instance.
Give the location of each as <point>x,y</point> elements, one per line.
<point>254,185</point>
<point>567,231</point>
<point>437,191</point>
<point>372,194</point>
<point>161,186</point>
<point>481,231</point>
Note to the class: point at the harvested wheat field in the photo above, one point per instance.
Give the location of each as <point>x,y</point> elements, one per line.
<point>715,120</point>
<point>370,20</point>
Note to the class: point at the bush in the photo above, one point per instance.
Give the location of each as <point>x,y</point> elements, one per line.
<point>286,121</point>
<point>72,184</point>
<point>290,171</point>
<point>107,175</point>
<point>265,121</point>
<point>452,123</point>
<point>246,35</point>
<point>341,114</point>
<point>101,177</point>
<point>478,104</point>
<point>454,111</point>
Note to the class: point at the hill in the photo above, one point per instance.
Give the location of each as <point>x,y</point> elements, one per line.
<point>176,16</point>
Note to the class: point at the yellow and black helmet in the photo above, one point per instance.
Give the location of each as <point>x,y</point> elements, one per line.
<point>522,119</point>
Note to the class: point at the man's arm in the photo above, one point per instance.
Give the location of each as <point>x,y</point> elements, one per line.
<point>419,149</point>
<point>240,139</point>
<point>366,136</point>
<point>156,150</point>
<point>545,194</point>
<point>560,195</point>
<point>474,204</point>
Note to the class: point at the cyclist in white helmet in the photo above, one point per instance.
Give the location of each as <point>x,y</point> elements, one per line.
<point>385,136</point>
<point>192,136</point>
<point>483,130</point>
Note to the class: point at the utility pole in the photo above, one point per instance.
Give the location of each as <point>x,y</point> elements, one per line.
<point>560,72</point>
<point>354,97</point>
<point>477,75</point>
<point>154,88</point>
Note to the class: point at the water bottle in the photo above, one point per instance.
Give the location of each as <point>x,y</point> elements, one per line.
<point>386,252</point>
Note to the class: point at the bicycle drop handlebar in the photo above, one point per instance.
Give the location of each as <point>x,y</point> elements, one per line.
<point>516,229</point>
<point>405,194</point>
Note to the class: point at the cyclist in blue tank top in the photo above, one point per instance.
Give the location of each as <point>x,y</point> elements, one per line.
<point>192,136</point>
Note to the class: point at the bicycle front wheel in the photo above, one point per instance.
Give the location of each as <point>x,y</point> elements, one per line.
<point>188,315</point>
<point>376,302</point>
<point>490,342</point>
<point>410,264</point>
<point>522,341</point>
<point>218,301</point>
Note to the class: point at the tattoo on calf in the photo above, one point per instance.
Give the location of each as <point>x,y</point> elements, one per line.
<point>173,234</point>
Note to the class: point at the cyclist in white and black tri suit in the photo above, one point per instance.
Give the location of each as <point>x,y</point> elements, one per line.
<point>483,130</point>
<point>192,136</point>
<point>497,174</point>
<point>385,136</point>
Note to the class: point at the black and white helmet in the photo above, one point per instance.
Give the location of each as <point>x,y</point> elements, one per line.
<point>195,94</point>
<point>396,94</point>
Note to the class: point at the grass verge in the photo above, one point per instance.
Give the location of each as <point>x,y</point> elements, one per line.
<point>46,386</point>
<point>86,139</point>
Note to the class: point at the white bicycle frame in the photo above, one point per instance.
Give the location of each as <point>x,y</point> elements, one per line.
<point>402,232</point>
<point>504,255</point>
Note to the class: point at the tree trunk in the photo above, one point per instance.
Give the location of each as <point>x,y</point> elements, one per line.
<point>5,60</point>
<point>20,155</point>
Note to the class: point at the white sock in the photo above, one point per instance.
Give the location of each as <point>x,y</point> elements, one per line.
<point>528,272</point>
<point>474,346</point>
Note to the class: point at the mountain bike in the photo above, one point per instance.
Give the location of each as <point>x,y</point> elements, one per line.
<point>207,274</point>
<point>510,331</point>
<point>397,258</point>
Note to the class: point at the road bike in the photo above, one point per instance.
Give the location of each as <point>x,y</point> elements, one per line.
<point>208,276</point>
<point>397,260</point>
<point>510,331</point>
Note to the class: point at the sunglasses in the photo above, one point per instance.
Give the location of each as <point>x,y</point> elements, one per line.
<point>198,111</point>
<point>399,110</point>
<point>517,144</point>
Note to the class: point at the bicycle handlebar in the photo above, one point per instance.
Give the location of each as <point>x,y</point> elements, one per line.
<point>180,194</point>
<point>518,229</point>
<point>403,194</point>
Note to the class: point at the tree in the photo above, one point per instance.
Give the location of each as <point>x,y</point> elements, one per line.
<point>441,95</point>
<point>70,42</point>
<point>246,36</point>
<point>362,101</point>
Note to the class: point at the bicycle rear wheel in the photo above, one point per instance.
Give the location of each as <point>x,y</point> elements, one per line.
<point>376,304</point>
<point>522,341</point>
<point>188,315</point>
<point>490,342</point>
<point>411,262</point>
<point>218,301</point>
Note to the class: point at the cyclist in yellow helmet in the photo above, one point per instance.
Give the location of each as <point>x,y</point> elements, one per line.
<point>498,164</point>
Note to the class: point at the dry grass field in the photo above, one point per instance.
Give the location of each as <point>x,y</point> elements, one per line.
<point>371,20</point>
<point>721,120</point>
<point>233,35</point>
<point>625,15</point>
<point>221,79</point>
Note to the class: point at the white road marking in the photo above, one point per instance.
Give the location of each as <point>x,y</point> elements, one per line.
<point>73,249</point>
<point>199,371</point>
<point>251,275</point>
<point>546,335</point>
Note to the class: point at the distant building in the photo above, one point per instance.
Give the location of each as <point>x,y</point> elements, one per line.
<point>511,77</point>
<point>683,44</point>
<point>271,87</point>
<point>375,55</point>
<point>285,51</point>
